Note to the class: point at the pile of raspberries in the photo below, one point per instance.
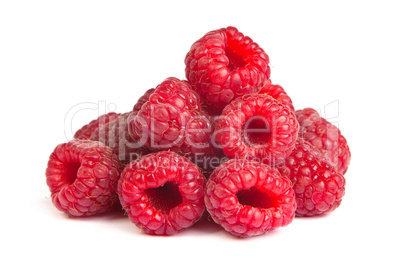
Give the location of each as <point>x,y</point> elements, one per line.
<point>226,143</point>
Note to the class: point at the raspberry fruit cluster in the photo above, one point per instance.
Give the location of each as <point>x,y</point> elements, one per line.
<point>224,142</point>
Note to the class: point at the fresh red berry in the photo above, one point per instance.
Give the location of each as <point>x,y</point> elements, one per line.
<point>82,177</point>
<point>249,198</point>
<point>115,135</point>
<point>172,119</point>
<point>278,93</point>
<point>162,193</point>
<point>319,188</point>
<point>325,137</point>
<point>257,127</point>
<point>223,65</point>
<point>86,131</point>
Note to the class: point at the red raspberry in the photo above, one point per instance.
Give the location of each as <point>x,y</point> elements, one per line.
<point>325,137</point>
<point>278,93</point>
<point>86,131</point>
<point>115,135</point>
<point>172,119</point>
<point>318,186</point>
<point>223,65</point>
<point>162,193</point>
<point>82,177</point>
<point>249,198</point>
<point>257,127</point>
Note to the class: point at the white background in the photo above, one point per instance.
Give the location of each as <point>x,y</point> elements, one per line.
<point>62,60</point>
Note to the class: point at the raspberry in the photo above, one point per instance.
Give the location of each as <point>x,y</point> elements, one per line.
<point>249,198</point>
<point>82,177</point>
<point>325,137</point>
<point>162,193</point>
<point>278,93</point>
<point>223,65</point>
<point>86,131</point>
<point>318,186</point>
<point>172,119</point>
<point>115,135</point>
<point>257,127</point>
